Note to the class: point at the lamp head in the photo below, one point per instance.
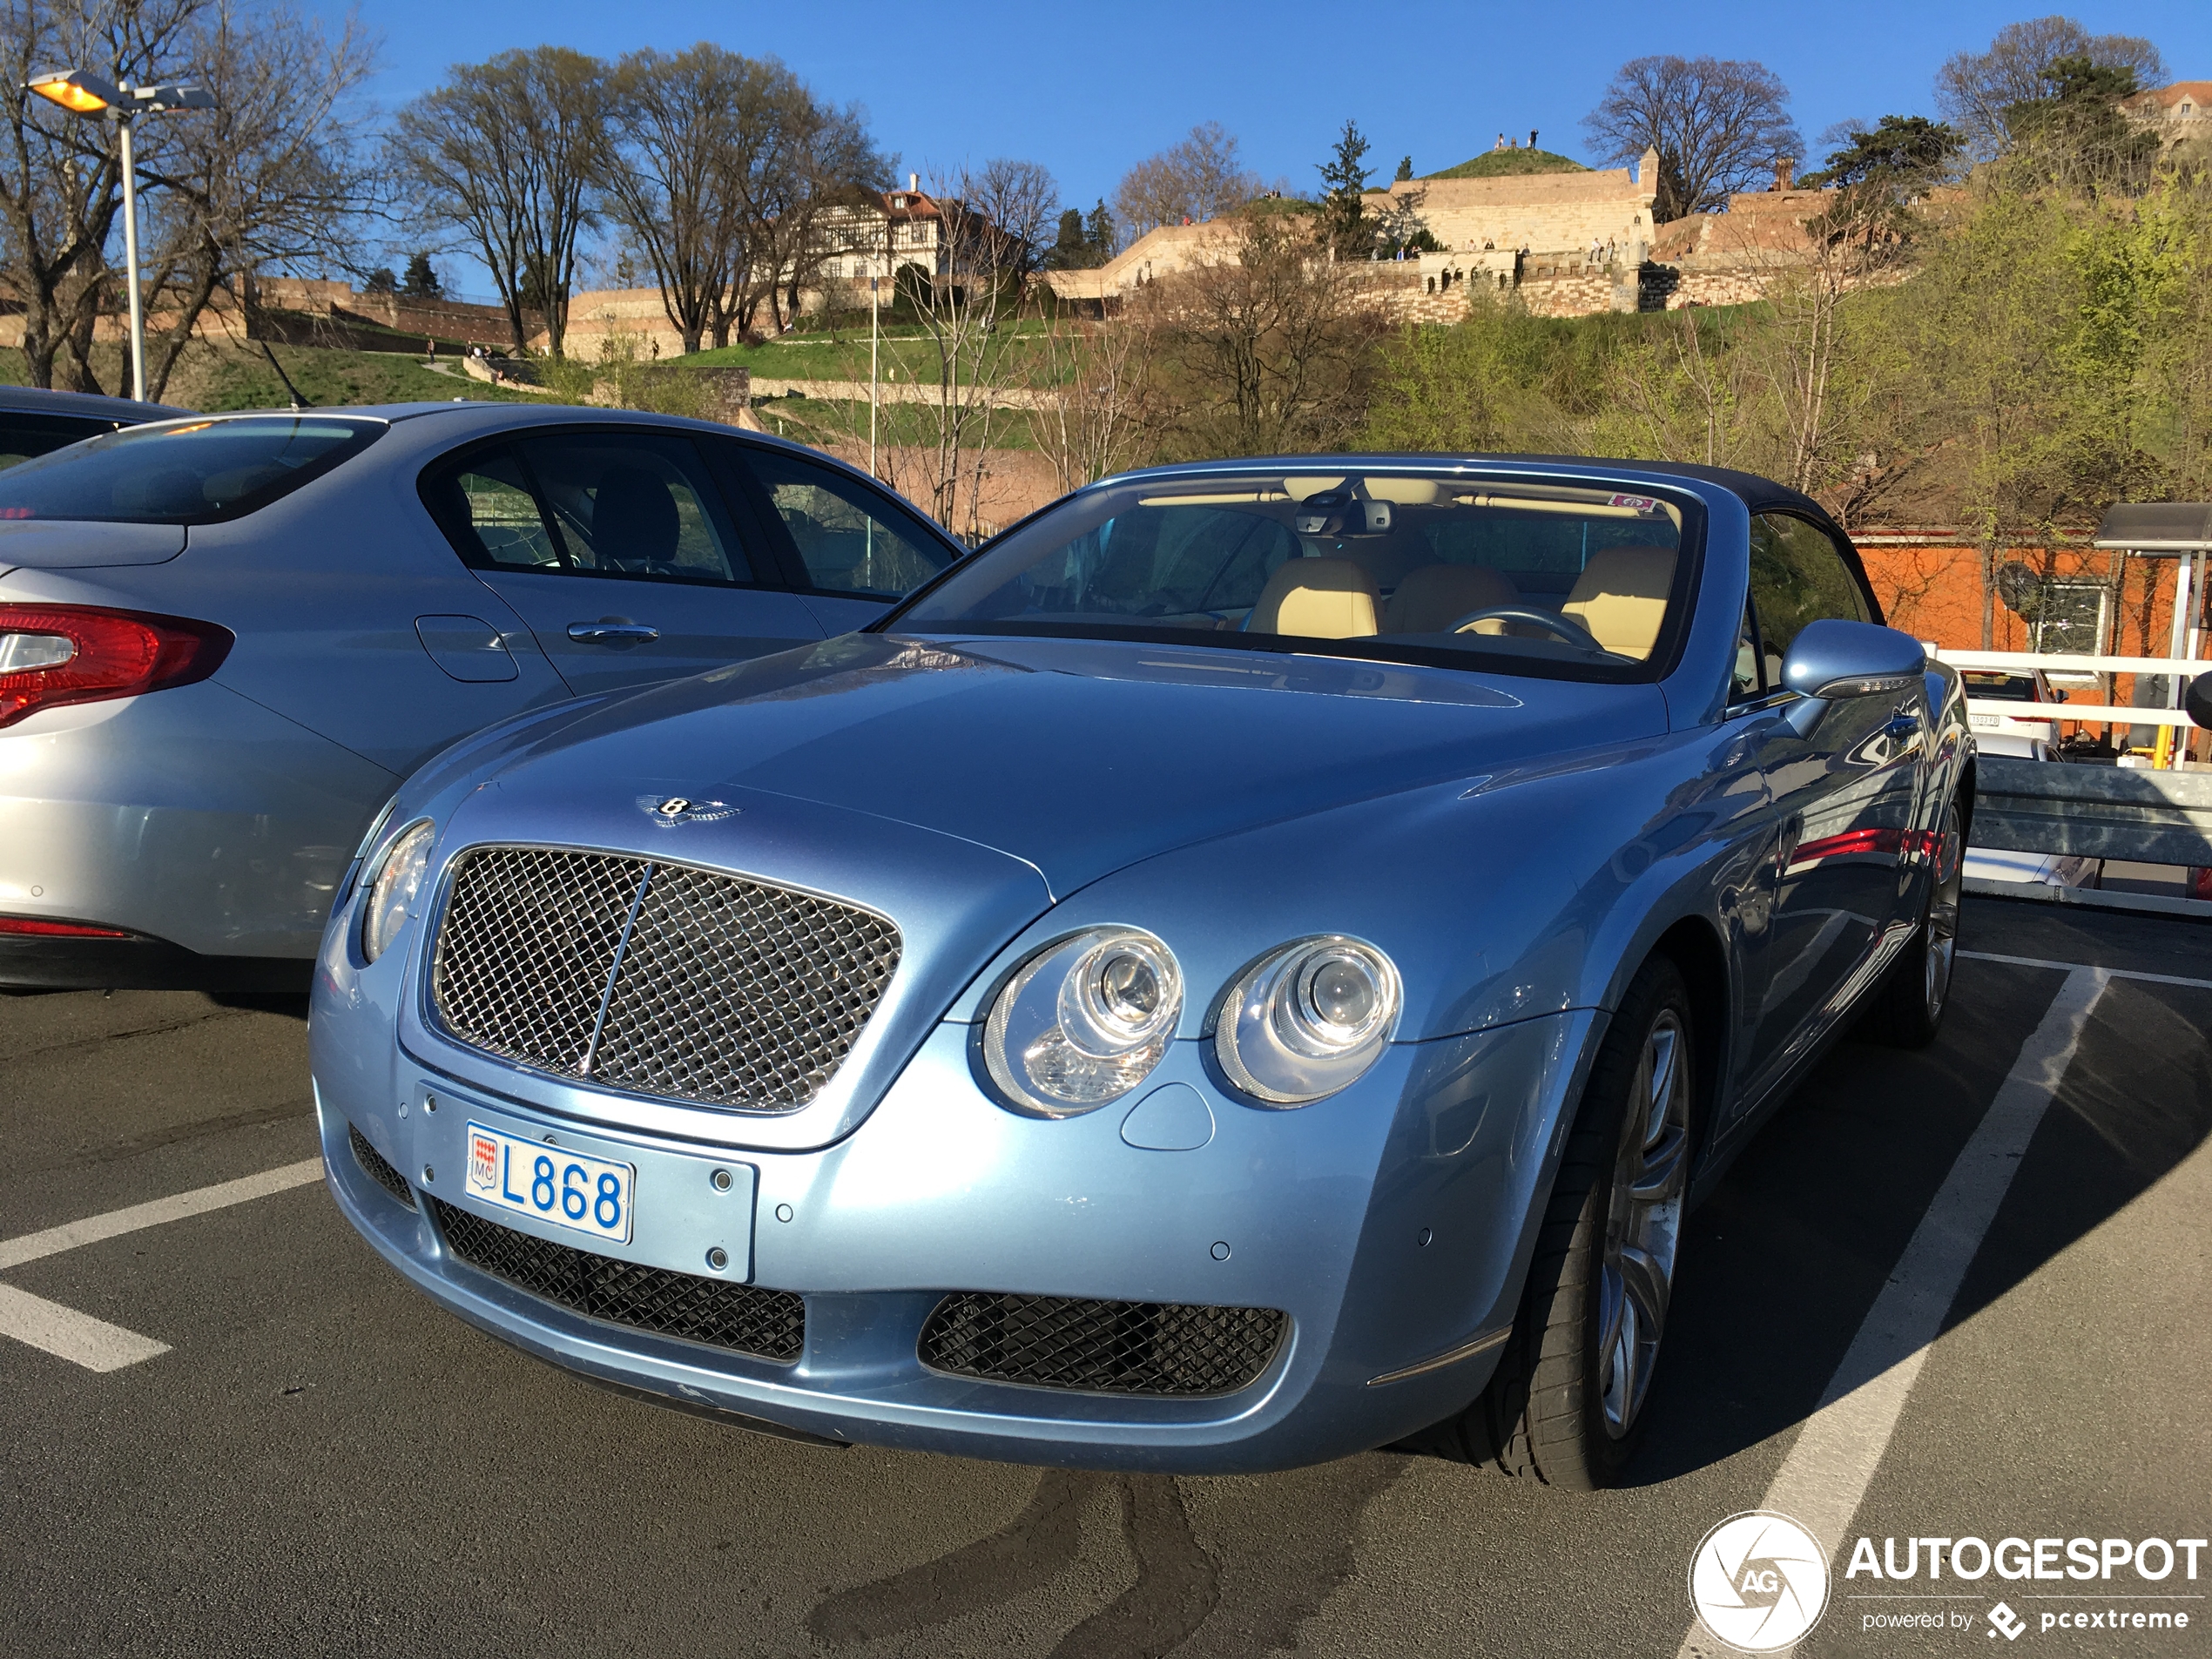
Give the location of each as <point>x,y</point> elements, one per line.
<point>76,91</point>
<point>174,94</point>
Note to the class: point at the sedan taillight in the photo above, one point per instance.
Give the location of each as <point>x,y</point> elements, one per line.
<point>51,655</point>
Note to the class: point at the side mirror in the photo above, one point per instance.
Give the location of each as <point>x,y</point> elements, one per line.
<point>1833,659</point>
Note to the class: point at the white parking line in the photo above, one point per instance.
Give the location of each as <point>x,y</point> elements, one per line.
<point>1823,1478</point>
<point>95,1344</point>
<point>67,1334</point>
<point>2079,968</point>
<point>14,1252</point>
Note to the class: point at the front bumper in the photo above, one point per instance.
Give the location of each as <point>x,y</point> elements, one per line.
<point>1390,1224</point>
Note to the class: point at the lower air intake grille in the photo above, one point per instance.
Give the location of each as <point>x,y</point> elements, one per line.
<point>374,1166</point>
<point>742,1317</point>
<point>1101,1347</point>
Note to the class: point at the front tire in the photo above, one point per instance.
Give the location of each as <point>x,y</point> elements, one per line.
<point>1908,1011</point>
<point>1567,1403</point>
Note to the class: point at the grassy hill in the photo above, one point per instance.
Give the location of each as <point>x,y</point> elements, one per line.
<point>1501,164</point>
<point>220,378</point>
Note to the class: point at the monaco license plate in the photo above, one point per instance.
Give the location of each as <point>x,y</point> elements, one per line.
<point>569,1189</point>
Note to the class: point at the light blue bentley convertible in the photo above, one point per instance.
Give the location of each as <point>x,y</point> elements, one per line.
<point>1251,966</point>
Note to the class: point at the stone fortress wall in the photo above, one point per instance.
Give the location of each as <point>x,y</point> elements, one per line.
<point>1544,211</point>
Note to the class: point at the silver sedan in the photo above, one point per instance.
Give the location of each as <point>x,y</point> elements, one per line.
<point>224,641</point>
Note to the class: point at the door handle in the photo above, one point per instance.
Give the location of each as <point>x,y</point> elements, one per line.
<point>612,630</point>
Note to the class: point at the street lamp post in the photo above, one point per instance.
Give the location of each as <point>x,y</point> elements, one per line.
<point>86,94</point>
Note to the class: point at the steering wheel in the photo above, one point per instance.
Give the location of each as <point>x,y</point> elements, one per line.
<point>1565,627</point>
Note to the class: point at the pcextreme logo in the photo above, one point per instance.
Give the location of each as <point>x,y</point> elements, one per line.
<point>1758,1582</point>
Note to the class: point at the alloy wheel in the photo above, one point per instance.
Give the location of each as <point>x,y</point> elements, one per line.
<point>1643,1229</point>
<point>1943,913</point>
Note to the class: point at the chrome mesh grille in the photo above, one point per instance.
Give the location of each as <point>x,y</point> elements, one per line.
<point>657,978</point>
<point>529,938</point>
<point>1101,1347</point>
<point>709,956</point>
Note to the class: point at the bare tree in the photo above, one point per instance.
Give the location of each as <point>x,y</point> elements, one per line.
<point>683,132</point>
<point>1975,90</point>
<point>1013,203</point>
<point>503,154</point>
<point>954,396</point>
<point>61,182</point>
<point>1717,124</point>
<point>271,177</point>
<point>1269,350</point>
<point>814,159</point>
<point>1675,395</point>
<point>1199,177</point>
<point>1091,385</point>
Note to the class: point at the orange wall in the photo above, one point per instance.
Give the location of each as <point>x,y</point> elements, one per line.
<point>1934,592</point>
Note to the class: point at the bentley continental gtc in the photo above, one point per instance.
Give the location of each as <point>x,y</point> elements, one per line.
<point>1251,967</point>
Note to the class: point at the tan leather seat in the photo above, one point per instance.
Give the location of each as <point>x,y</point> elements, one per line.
<point>1434,597</point>
<point>1317,600</point>
<point>1622,597</point>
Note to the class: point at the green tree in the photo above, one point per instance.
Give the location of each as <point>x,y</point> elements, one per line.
<point>1069,250</point>
<point>1342,214</point>
<point>1405,171</point>
<point>419,281</point>
<point>1903,154</point>
<point>1101,232</point>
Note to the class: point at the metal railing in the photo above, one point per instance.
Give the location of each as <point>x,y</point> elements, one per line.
<point>2092,812</point>
<point>2070,662</point>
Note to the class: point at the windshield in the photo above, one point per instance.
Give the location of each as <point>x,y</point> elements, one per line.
<point>194,474</point>
<point>1530,577</point>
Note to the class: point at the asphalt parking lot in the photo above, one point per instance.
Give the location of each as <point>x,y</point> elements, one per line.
<point>253,1439</point>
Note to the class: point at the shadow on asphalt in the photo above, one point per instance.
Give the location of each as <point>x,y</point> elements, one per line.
<point>1781,1265</point>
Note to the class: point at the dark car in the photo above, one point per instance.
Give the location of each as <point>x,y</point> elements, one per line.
<point>34,421</point>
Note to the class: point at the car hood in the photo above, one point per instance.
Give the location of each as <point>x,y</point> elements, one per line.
<point>1077,756</point>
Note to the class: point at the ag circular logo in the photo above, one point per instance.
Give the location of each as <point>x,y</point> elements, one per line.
<point>1759,1581</point>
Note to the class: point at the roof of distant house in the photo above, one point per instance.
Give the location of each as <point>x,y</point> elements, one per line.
<point>2197,94</point>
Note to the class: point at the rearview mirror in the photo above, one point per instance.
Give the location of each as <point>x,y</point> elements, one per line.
<point>1832,660</point>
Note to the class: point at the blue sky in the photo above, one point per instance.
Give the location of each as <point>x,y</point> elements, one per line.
<point>1088,89</point>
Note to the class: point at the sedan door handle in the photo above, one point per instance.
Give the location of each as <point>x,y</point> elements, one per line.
<point>612,630</point>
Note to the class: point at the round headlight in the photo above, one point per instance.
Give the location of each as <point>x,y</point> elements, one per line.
<point>391,893</point>
<point>1083,1022</point>
<point>1306,1020</point>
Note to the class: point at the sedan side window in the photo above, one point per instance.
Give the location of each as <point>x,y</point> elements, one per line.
<point>488,511</point>
<point>638,505</point>
<point>1797,577</point>
<point>853,539</point>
